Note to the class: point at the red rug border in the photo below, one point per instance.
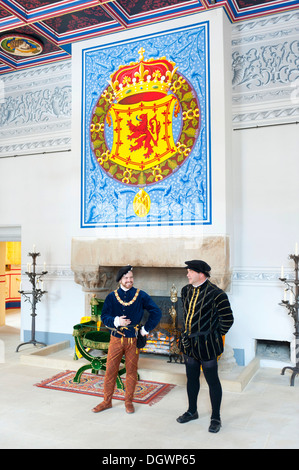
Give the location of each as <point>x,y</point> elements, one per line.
<point>155,398</point>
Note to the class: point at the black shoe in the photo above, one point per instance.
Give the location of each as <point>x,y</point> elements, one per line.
<point>187,417</point>
<point>215,425</point>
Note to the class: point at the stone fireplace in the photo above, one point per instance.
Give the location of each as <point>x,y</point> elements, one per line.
<point>158,262</point>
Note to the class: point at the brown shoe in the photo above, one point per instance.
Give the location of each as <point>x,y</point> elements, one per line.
<point>130,408</point>
<point>102,406</point>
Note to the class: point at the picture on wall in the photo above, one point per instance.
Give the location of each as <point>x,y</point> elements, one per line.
<point>146,131</point>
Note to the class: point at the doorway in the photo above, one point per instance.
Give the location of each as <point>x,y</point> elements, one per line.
<point>10,276</point>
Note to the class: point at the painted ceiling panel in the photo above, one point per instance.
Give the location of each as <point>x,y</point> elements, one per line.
<point>135,7</point>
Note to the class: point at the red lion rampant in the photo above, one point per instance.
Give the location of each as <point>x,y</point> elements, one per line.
<point>144,133</point>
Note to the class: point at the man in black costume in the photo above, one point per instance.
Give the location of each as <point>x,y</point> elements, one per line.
<point>207,317</point>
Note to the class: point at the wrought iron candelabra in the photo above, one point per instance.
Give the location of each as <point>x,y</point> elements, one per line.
<point>292,305</point>
<point>34,295</point>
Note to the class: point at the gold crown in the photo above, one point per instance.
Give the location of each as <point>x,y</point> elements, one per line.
<point>152,76</point>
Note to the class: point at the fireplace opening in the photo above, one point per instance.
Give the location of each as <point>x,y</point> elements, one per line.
<point>162,339</point>
<point>270,349</point>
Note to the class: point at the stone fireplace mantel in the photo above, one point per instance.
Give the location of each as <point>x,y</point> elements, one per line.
<point>158,262</point>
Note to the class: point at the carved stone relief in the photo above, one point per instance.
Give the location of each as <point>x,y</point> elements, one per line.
<point>35,110</point>
<point>95,280</point>
<point>265,74</point>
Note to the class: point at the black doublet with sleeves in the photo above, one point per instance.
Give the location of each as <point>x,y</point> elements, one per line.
<point>207,317</point>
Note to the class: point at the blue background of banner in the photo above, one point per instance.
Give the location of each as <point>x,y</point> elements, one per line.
<point>183,198</point>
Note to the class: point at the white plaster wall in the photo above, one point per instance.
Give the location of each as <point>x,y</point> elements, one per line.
<point>266,195</point>
<point>266,228</point>
<point>258,317</point>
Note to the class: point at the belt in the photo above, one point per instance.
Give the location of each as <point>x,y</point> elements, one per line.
<point>120,330</point>
<point>198,333</point>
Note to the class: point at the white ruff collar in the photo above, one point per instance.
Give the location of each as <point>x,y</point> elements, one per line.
<point>124,288</point>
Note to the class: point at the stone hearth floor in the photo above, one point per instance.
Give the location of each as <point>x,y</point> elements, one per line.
<point>260,410</point>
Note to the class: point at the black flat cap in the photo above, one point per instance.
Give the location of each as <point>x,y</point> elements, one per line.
<point>123,271</point>
<point>198,266</point>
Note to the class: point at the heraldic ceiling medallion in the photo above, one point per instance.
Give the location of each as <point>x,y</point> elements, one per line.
<point>132,132</point>
<point>20,45</point>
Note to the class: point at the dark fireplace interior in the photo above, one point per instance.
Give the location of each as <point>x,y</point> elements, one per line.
<point>276,350</point>
<point>162,337</point>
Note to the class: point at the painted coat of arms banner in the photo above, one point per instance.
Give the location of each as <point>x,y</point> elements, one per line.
<point>145,158</point>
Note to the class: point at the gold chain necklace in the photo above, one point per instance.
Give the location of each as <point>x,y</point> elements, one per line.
<point>126,304</point>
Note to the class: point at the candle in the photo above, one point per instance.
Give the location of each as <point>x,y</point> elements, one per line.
<point>296,249</point>
<point>28,267</point>
<point>20,288</point>
<point>42,284</point>
<point>44,266</point>
<point>285,295</point>
<point>33,248</point>
<point>282,272</point>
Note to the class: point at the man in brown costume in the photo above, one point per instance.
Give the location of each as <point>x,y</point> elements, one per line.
<point>122,312</point>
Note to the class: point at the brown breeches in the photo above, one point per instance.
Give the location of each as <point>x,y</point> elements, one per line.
<point>119,347</point>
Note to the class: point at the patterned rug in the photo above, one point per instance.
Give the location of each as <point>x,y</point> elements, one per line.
<point>146,392</point>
